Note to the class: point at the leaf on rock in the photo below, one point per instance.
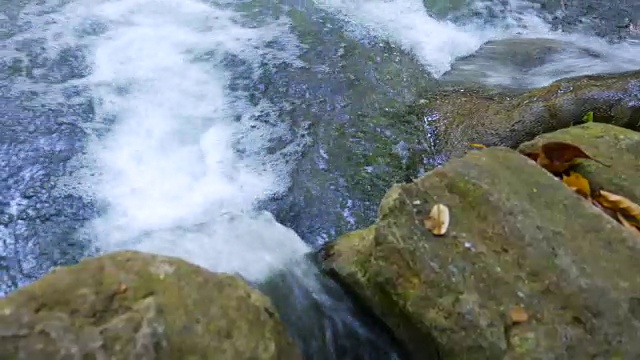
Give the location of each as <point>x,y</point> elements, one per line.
<point>605,210</point>
<point>478,146</point>
<point>557,156</point>
<point>588,117</point>
<point>633,227</point>
<point>518,315</point>
<point>438,220</point>
<point>577,183</point>
<point>619,204</point>
<point>532,155</point>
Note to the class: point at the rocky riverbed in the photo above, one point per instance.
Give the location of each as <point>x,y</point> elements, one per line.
<point>307,110</point>
<point>528,265</point>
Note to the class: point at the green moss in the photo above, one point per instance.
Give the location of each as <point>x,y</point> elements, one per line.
<point>375,164</point>
<point>360,241</point>
<point>507,244</point>
<point>493,117</point>
<point>359,258</point>
<point>523,342</point>
<point>132,301</point>
<point>471,192</point>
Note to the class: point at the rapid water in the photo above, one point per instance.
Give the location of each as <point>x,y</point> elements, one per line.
<point>439,42</point>
<point>187,155</point>
<point>166,125</point>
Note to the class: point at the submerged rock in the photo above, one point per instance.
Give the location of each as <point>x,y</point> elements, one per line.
<point>129,305</point>
<point>519,62</point>
<point>496,118</point>
<point>443,8</point>
<point>527,270</point>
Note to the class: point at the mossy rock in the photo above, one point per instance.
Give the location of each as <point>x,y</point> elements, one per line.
<point>616,147</point>
<point>497,117</point>
<point>518,237</point>
<point>131,305</point>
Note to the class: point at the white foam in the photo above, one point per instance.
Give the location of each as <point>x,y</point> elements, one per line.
<point>406,22</point>
<point>439,43</point>
<point>583,55</point>
<point>589,55</point>
<point>167,171</point>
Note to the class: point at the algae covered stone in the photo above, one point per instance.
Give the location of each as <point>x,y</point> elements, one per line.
<point>131,305</point>
<point>518,237</point>
<point>497,117</point>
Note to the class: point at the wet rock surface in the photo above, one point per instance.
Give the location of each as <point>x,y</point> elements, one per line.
<point>523,54</point>
<point>357,148</point>
<point>347,147</point>
<point>505,118</point>
<point>352,154</point>
<point>525,63</point>
<point>518,238</point>
<point>610,19</point>
<point>36,141</point>
<point>133,305</point>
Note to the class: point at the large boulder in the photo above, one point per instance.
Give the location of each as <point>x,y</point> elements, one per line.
<point>131,305</point>
<point>458,117</point>
<point>528,269</point>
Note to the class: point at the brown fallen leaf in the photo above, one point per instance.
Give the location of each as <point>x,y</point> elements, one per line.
<point>578,183</point>
<point>557,156</point>
<point>635,223</point>
<point>633,227</point>
<point>605,210</point>
<point>438,220</point>
<point>518,315</point>
<point>478,146</point>
<point>532,155</point>
<point>619,204</point>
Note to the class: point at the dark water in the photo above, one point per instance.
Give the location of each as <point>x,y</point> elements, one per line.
<point>40,134</point>
<point>170,126</point>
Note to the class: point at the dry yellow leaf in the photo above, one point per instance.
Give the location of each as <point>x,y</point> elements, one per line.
<point>518,315</point>
<point>577,183</point>
<point>627,224</point>
<point>478,146</point>
<point>438,220</point>
<point>619,204</point>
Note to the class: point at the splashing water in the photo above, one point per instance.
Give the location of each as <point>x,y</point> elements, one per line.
<point>182,147</point>
<point>439,43</point>
<point>186,156</point>
<point>167,171</point>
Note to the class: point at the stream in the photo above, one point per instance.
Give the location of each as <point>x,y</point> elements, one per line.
<point>244,135</point>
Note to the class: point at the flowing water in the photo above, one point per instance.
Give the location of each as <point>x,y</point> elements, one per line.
<point>179,127</point>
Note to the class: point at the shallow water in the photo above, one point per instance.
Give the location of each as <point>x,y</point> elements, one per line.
<point>179,126</point>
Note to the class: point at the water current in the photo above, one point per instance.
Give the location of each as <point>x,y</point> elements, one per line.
<point>170,126</point>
